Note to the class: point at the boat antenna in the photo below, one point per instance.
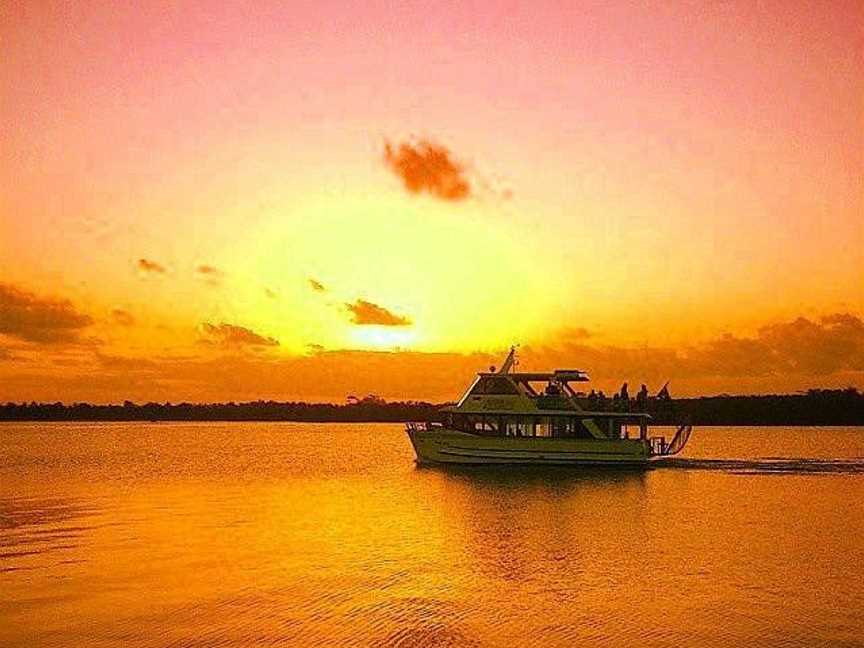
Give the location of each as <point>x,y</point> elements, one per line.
<point>510,362</point>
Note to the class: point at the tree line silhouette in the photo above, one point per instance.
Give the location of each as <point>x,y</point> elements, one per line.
<point>814,407</point>
<point>368,409</point>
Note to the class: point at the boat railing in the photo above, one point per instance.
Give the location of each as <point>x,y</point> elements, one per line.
<point>659,447</point>
<point>682,436</point>
<point>422,426</point>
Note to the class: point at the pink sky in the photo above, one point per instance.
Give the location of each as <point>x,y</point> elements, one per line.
<point>682,170</point>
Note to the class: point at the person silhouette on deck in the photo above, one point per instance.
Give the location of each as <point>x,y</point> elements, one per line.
<point>625,398</point>
<point>642,397</point>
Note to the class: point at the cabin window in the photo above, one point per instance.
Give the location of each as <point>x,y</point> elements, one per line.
<point>562,427</point>
<point>517,427</point>
<point>487,426</point>
<point>543,428</point>
<point>494,386</point>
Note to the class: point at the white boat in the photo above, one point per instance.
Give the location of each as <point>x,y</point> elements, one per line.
<point>508,417</point>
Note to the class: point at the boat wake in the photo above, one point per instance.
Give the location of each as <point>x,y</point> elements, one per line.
<point>769,465</point>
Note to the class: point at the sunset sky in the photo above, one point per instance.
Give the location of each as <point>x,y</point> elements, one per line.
<point>225,201</point>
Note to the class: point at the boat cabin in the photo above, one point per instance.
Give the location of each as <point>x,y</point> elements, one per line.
<point>532,404</point>
<point>563,424</point>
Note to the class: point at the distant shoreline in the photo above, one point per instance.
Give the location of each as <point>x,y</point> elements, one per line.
<point>815,407</point>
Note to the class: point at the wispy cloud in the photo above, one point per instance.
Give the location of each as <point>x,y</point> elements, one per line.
<point>210,274</point>
<point>233,335</point>
<point>125,363</point>
<point>316,285</point>
<point>575,333</point>
<point>123,317</point>
<point>427,167</point>
<point>32,318</point>
<point>150,267</point>
<point>367,313</point>
<point>779,358</point>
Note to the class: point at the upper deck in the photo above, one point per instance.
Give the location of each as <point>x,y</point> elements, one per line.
<point>506,391</point>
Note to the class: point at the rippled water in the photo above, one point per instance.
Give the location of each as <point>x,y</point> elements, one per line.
<point>262,534</point>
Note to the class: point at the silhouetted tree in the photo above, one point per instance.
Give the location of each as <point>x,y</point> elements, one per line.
<point>815,407</point>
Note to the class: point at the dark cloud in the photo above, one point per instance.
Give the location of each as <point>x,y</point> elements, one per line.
<point>778,358</point>
<point>125,363</point>
<point>802,348</point>
<point>834,343</point>
<point>732,356</point>
<point>428,167</point>
<point>321,375</point>
<point>232,335</point>
<point>31,318</point>
<point>365,313</point>
<point>575,333</point>
<point>123,317</point>
<point>210,274</point>
<point>317,286</point>
<point>148,266</point>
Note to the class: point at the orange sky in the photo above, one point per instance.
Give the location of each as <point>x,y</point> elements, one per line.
<point>305,201</point>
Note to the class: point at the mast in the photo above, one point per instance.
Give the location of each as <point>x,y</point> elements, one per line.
<point>509,362</point>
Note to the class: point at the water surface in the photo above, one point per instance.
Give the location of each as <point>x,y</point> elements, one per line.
<point>302,534</point>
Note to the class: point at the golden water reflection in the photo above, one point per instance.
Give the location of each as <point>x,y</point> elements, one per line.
<point>328,535</point>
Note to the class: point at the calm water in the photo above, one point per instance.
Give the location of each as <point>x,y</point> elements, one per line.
<point>262,534</point>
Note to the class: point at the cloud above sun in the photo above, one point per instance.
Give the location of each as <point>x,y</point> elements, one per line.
<point>209,274</point>
<point>46,333</point>
<point>426,167</point>
<point>123,317</point>
<point>32,318</point>
<point>232,335</point>
<point>150,267</point>
<point>366,313</point>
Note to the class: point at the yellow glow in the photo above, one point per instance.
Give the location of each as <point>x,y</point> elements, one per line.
<point>383,337</point>
<point>463,283</point>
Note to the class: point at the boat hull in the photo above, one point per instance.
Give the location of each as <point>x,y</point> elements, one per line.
<point>444,446</point>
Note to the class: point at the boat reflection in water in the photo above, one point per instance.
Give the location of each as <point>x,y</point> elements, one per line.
<point>504,419</point>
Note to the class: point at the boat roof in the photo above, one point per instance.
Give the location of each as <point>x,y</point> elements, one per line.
<point>510,392</point>
<point>577,413</point>
<point>559,375</point>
